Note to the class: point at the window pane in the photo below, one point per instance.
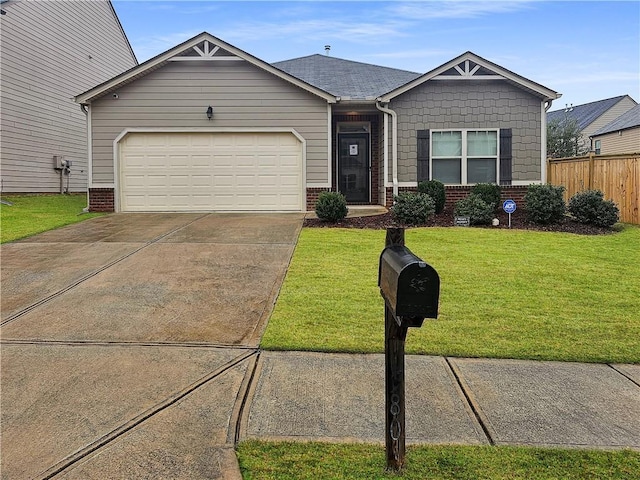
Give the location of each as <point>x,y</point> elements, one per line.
<point>447,144</point>
<point>482,143</point>
<point>481,170</point>
<point>447,170</point>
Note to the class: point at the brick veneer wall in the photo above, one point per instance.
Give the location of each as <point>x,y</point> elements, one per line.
<point>455,193</point>
<point>312,197</point>
<point>101,200</point>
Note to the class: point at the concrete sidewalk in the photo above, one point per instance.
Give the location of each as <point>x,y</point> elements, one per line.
<point>340,398</point>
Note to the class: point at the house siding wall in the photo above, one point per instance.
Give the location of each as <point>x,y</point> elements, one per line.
<point>623,106</point>
<point>52,51</point>
<point>624,141</point>
<point>440,104</point>
<point>241,94</point>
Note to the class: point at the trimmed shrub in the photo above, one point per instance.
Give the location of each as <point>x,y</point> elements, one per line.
<point>331,206</point>
<point>474,207</point>
<point>413,208</point>
<point>590,207</point>
<point>544,204</point>
<point>488,192</point>
<point>435,189</point>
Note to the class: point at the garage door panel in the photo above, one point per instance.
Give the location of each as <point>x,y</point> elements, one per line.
<point>211,171</point>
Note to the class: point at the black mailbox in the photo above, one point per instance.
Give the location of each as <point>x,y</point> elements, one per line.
<point>410,286</point>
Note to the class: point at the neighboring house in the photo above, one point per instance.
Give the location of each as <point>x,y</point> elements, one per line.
<point>592,116</point>
<point>51,51</point>
<point>207,126</point>
<point>621,136</point>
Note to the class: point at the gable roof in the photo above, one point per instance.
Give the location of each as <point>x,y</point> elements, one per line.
<point>629,119</point>
<point>470,66</point>
<point>345,78</point>
<point>585,114</point>
<point>202,47</point>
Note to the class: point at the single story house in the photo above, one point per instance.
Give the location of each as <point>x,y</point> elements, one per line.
<point>592,116</point>
<point>621,136</point>
<point>50,52</point>
<point>206,126</point>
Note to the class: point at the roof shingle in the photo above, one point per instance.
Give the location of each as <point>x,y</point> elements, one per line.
<point>629,119</point>
<point>346,78</point>
<point>585,114</point>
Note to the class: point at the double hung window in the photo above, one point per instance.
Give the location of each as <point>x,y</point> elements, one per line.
<point>461,157</point>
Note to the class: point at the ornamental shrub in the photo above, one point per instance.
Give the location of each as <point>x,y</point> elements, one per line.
<point>590,207</point>
<point>435,189</point>
<point>488,192</point>
<point>474,207</point>
<point>544,203</point>
<point>413,208</point>
<point>331,206</point>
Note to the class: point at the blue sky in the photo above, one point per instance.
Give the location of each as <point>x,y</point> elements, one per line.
<point>586,50</point>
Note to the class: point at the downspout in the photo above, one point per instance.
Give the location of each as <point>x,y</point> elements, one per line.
<point>546,105</point>
<point>394,139</point>
<point>85,108</point>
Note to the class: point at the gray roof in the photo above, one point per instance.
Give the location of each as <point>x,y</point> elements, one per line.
<point>585,114</point>
<point>629,119</point>
<point>345,78</point>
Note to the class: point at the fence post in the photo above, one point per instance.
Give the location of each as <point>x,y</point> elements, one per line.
<point>591,155</point>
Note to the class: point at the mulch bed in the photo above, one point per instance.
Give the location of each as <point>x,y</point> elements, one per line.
<point>445,219</point>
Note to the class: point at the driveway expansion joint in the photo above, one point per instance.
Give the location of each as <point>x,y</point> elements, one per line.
<point>84,278</point>
<point>473,405</point>
<point>628,377</point>
<point>149,413</point>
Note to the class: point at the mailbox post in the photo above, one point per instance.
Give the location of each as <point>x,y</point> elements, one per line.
<point>410,288</point>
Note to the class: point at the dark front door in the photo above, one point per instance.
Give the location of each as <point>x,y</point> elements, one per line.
<point>353,167</point>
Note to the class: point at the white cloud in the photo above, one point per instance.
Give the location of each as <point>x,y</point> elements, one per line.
<point>324,30</point>
<point>456,8</point>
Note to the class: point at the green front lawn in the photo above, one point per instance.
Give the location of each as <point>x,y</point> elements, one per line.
<point>31,214</point>
<point>504,294</point>
<point>320,461</point>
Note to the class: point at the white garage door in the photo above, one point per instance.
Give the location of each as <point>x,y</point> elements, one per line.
<point>211,171</point>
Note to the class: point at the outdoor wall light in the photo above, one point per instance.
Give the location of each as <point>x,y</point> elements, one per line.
<point>209,112</point>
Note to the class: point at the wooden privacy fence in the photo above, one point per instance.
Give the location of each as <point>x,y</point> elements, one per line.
<point>617,176</point>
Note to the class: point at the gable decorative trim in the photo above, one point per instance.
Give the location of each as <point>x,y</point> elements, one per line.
<point>470,66</point>
<point>199,48</point>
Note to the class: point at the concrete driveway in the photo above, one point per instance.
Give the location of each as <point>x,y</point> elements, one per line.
<point>127,341</point>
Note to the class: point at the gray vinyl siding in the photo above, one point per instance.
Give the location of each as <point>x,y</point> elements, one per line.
<point>241,94</point>
<point>50,52</point>
<point>441,104</point>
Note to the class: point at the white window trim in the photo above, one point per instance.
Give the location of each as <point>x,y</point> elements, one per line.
<point>464,157</point>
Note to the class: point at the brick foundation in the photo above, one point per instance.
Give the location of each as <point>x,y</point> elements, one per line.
<point>312,197</point>
<point>456,193</point>
<point>101,200</point>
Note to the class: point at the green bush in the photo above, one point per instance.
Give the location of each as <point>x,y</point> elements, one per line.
<point>413,208</point>
<point>488,192</point>
<point>544,203</point>
<point>590,207</point>
<point>331,206</point>
<point>435,189</point>
<point>474,207</point>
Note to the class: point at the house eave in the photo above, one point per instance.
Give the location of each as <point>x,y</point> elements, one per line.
<point>162,59</point>
<point>501,73</point>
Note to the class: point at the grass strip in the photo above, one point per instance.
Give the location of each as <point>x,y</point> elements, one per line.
<point>319,461</point>
<point>32,214</point>
<point>504,294</point>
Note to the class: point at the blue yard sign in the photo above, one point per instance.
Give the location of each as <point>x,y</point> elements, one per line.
<point>509,206</point>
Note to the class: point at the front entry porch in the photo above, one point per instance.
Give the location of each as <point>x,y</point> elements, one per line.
<point>356,158</point>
